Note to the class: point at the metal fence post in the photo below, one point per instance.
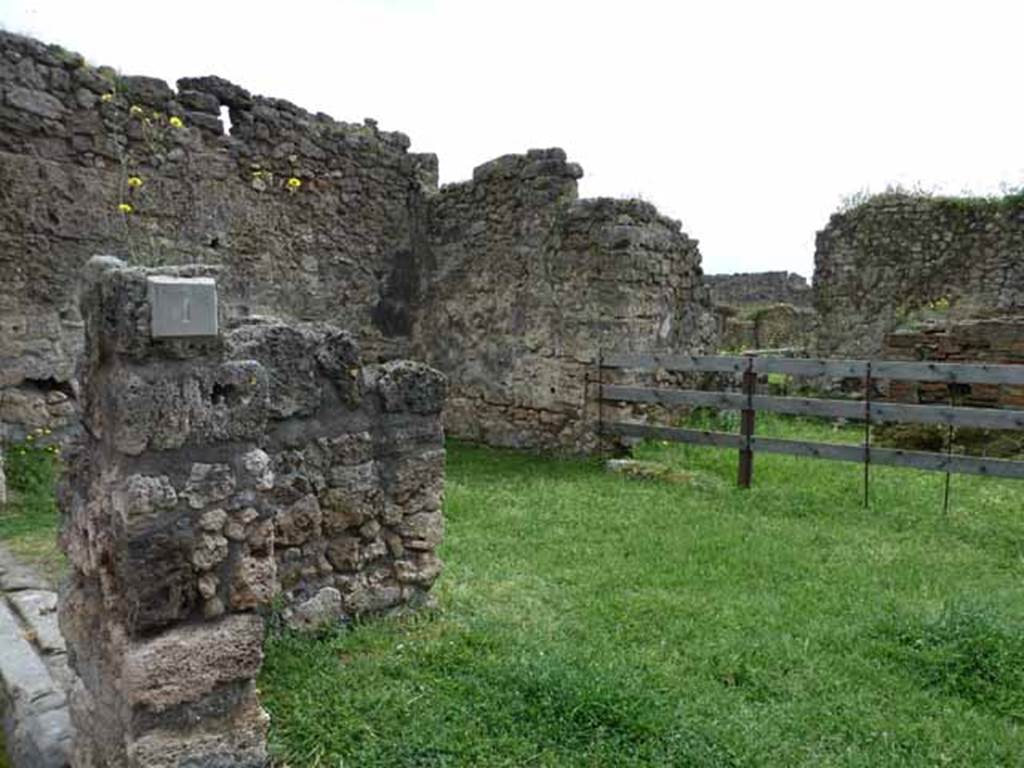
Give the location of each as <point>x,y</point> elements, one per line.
<point>867,434</point>
<point>600,401</point>
<point>954,390</point>
<point>746,469</point>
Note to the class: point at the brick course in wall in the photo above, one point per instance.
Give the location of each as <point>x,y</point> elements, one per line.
<point>996,340</point>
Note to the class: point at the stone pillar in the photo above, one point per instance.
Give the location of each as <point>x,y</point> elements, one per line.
<point>218,472</point>
<point>169,456</point>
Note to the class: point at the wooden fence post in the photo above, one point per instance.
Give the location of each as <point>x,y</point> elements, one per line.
<point>746,470</point>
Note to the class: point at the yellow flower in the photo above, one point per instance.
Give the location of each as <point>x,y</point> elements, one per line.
<point>47,431</point>
<point>134,182</point>
<point>30,438</point>
<point>125,208</point>
<point>175,122</point>
<point>294,183</point>
<point>107,97</point>
<point>136,110</point>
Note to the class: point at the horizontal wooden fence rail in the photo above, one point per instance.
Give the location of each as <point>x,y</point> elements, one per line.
<point>946,373</point>
<point>901,413</point>
<point>868,411</point>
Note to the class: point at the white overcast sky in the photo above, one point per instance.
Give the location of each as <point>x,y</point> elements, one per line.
<point>748,121</point>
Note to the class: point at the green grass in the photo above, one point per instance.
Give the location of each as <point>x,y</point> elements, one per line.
<point>591,619</point>
<point>30,520</point>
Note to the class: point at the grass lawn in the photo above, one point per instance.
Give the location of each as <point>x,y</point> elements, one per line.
<point>589,619</point>
<point>29,521</point>
<point>30,532</point>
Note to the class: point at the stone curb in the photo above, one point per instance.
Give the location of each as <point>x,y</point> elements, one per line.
<point>34,705</point>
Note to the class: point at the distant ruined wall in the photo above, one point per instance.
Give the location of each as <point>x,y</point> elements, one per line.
<point>216,476</point>
<point>529,284</point>
<point>362,238</point>
<point>762,310</point>
<point>896,255</point>
<point>743,288</point>
<point>778,326</point>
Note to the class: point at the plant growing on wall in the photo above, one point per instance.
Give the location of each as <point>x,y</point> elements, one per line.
<point>31,467</point>
<point>143,138</point>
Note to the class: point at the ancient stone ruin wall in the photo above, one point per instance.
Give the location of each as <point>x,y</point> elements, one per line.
<point>762,310</point>
<point>73,136</point>
<point>214,475</point>
<point>742,288</point>
<point>778,326</point>
<point>882,262</point>
<point>529,284</point>
<point>502,281</point>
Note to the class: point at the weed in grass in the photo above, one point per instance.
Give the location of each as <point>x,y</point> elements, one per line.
<point>31,468</point>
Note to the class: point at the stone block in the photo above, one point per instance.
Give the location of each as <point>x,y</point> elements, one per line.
<point>235,740</point>
<point>189,662</point>
<point>36,721</point>
<point>300,359</point>
<point>168,592</point>
<point>209,484</point>
<point>141,499</point>
<point>253,583</point>
<point>296,524</point>
<point>38,609</point>
<point>168,407</point>
<point>423,530</point>
<point>414,387</point>
<point>323,609</point>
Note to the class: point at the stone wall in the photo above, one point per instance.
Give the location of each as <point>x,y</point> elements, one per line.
<point>763,288</point>
<point>73,136</point>
<point>896,256</point>
<point>314,219</point>
<point>528,284</point>
<point>762,310</point>
<point>777,326</point>
<point>216,475</point>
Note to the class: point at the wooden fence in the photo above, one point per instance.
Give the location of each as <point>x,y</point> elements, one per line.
<point>867,410</point>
